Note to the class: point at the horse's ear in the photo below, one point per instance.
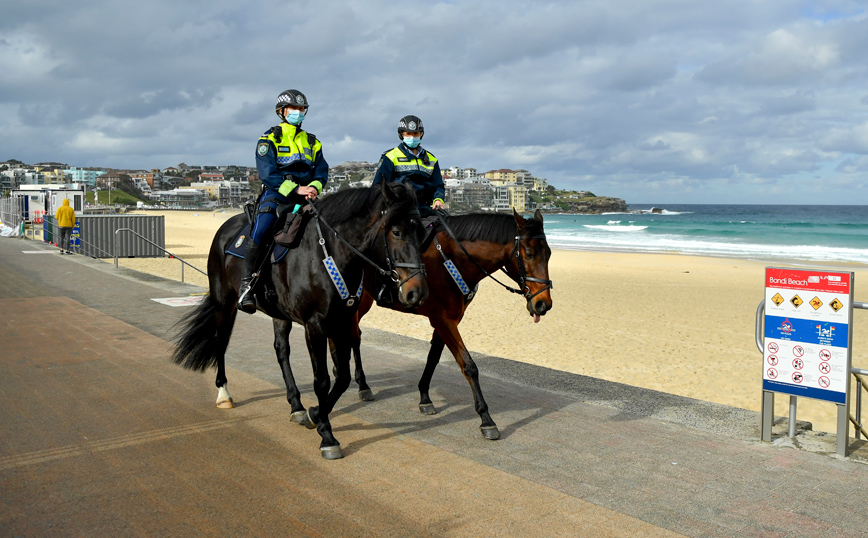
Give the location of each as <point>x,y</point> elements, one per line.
<point>519,220</point>
<point>537,216</point>
<point>386,192</point>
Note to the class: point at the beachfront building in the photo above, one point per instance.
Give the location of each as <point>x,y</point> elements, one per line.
<point>140,177</point>
<point>471,195</point>
<point>54,176</point>
<point>85,176</point>
<point>500,201</point>
<point>33,177</point>
<point>510,196</point>
<point>537,185</point>
<point>225,193</point>
<point>180,198</point>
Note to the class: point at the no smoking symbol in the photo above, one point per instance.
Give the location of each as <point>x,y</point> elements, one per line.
<point>825,368</point>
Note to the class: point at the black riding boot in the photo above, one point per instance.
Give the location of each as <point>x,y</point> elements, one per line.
<point>246,300</point>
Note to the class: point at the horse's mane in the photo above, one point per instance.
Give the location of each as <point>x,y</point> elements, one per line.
<point>353,203</point>
<point>494,227</point>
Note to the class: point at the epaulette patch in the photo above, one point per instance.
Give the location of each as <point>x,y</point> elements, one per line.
<point>262,149</point>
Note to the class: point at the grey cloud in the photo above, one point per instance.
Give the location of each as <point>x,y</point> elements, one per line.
<point>649,99</point>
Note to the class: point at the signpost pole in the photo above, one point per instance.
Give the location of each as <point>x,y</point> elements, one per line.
<point>768,415</point>
<point>843,430</point>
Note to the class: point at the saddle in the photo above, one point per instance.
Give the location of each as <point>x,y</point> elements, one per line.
<point>290,228</point>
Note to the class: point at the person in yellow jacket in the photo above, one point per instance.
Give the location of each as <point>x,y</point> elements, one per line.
<point>65,217</point>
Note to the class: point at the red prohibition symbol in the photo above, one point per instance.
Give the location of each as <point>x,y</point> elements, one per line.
<point>773,360</point>
<point>824,382</point>
<point>798,364</point>
<point>772,373</point>
<point>798,351</point>
<point>825,368</point>
<point>773,347</point>
<point>825,354</point>
<point>798,377</point>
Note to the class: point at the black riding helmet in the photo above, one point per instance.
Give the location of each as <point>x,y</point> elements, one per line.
<point>287,98</point>
<point>410,124</point>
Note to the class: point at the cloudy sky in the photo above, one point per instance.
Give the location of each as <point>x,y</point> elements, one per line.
<point>677,101</point>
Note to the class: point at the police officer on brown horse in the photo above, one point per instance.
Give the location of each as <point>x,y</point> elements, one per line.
<point>410,161</point>
<point>292,169</point>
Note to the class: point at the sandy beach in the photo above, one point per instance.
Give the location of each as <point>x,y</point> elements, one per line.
<point>678,324</point>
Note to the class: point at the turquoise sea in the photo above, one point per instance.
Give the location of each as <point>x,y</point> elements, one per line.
<point>799,233</point>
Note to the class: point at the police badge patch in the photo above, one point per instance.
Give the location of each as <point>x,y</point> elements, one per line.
<point>240,240</point>
<point>412,126</point>
<point>262,149</point>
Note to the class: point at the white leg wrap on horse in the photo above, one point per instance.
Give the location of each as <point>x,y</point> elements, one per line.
<point>224,400</point>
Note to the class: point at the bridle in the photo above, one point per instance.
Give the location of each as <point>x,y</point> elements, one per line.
<point>391,269</point>
<point>523,279</point>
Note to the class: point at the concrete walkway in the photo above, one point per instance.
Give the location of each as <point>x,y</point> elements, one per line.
<point>103,436</point>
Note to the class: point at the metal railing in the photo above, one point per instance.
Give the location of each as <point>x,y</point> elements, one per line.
<point>143,238</point>
<point>861,385</point>
<point>11,212</point>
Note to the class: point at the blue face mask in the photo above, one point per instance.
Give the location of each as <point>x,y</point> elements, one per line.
<point>294,117</point>
<point>412,142</point>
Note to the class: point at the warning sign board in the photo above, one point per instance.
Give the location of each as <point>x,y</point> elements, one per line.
<point>816,340</point>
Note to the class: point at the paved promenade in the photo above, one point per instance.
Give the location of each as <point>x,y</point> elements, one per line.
<point>102,435</point>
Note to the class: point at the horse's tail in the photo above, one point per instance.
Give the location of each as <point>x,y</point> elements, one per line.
<point>198,345</point>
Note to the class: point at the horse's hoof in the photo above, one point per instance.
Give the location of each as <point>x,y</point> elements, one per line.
<point>366,395</point>
<point>427,409</point>
<point>298,416</point>
<point>306,421</point>
<point>490,432</point>
<point>226,404</point>
<point>331,452</point>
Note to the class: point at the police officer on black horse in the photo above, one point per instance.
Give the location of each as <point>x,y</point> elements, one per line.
<point>410,161</point>
<point>292,169</point>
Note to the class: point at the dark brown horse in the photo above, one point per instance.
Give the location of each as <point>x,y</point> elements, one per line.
<point>477,246</point>
<point>365,231</point>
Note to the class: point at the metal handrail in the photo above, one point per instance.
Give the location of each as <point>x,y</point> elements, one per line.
<point>860,384</point>
<point>171,255</point>
<point>857,420</point>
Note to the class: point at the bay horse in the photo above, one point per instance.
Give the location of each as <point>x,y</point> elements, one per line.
<point>383,221</point>
<point>477,245</point>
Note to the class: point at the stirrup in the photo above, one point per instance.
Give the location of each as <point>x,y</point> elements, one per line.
<point>246,299</point>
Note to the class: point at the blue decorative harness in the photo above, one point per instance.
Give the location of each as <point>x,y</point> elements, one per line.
<point>456,274</point>
<point>335,273</point>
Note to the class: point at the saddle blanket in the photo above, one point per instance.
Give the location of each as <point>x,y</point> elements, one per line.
<point>238,247</point>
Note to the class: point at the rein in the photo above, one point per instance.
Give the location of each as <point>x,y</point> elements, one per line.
<point>390,271</point>
<point>523,278</point>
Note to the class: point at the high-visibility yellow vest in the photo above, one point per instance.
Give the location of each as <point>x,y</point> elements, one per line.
<point>293,145</point>
<point>408,165</point>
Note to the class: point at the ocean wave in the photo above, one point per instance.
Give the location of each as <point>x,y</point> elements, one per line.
<point>661,212</point>
<point>616,228</point>
<point>673,245</point>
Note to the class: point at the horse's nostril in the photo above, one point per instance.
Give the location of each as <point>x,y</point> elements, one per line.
<point>541,307</point>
